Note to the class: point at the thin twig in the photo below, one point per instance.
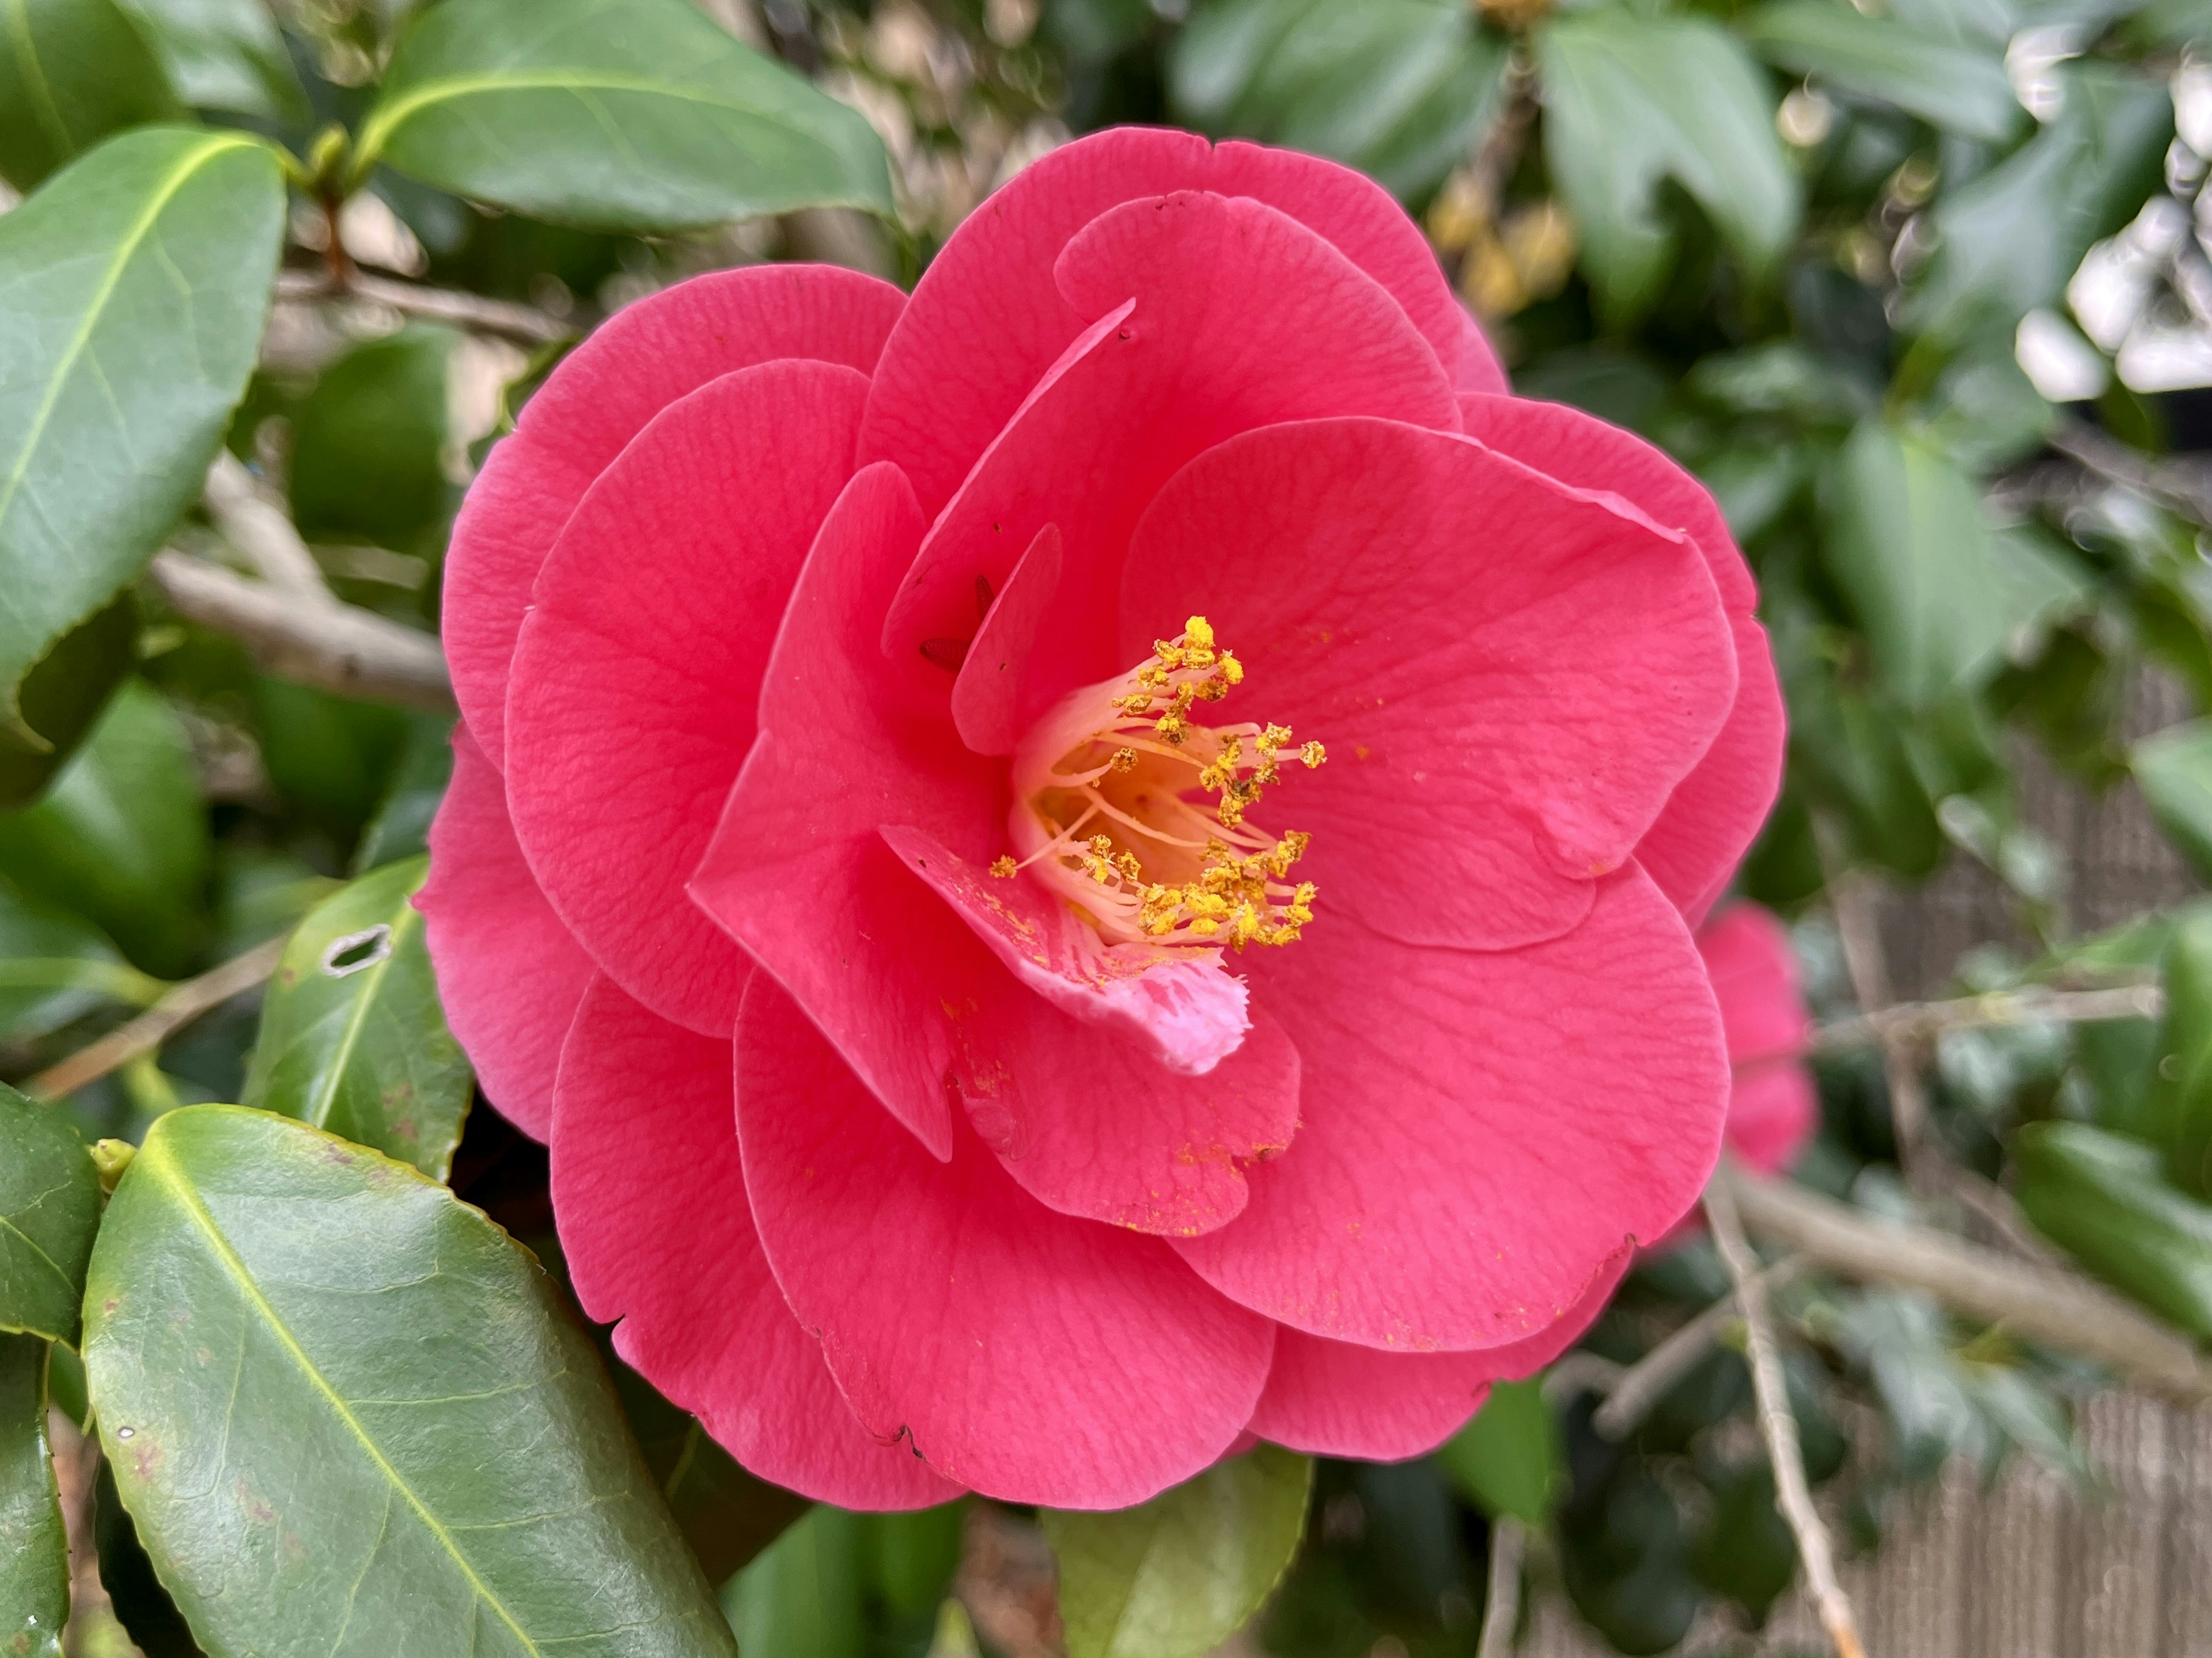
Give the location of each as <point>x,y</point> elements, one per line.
<point>524,324</point>
<point>262,530</point>
<point>1645,1383</point>
<point>1851,895</point>
<point>1501,1608</point>
<point>1792,1495</point>
<point>2181,486</point>
<point>2059,1309</point>
<point>1580,1371</point>
<point>1918,1022</point>
<point>333,648</point>
<point>153,1027</point>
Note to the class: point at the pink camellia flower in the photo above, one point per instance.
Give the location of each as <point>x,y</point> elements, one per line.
<point>1107,852</point>
<point>1772,1107</point>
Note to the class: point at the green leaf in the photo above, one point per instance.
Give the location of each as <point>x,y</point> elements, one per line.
<point>1508,1460</point>
<point>55,966</point>
<point>63,694</point>
<point>401,826</point>
<point>1179,1575</point>
<point>801,1598</point>
<point>427,1457</point>
<point>1907,543</point>
<point>1622,1560</point>
<point>1401,89</point>
<point>352,1037</point>
<point>1633,99</point>
<point>2174,771</point>
<point>223,54</point>
<point>614,115</point>
<point>2007,241</point>
<point>133,290</point>
<point>121,838</point>
<point>71,72</point>
<point>48,1211</point>
<point>1962,89</point>
<point>1745,1550</point>
<point>2105,1200</point>
<point>368,444</point>
<point>35,1580</point>
<point>2178,1111</point>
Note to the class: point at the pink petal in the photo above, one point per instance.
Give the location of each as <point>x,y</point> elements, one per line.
<point>796,870</point>
<point>1696,842</point>
<point>656,1230</point>
<point>1755,979</point>
<point>1509,675</point>
<point>986,698</point>
<point>1242,318</point>
<point>1482,1131</point>
<point>640,666</point>
<point>987,321</point>
<point>1480,374</point>
<point>1773,1109</point>
<point>1334,1399</point>
<point>509,974</point>
<point>641,359</point>
<point>1035,1358</point>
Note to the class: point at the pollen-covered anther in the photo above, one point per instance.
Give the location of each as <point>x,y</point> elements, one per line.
<point>1139,814</point>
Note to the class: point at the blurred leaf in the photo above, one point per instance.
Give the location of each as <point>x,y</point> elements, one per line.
<point>1401,89</point>
<point>1177,1576</point>
<point>63,694</point>
<point>1901,1338</point>
<point>909,1557</point>
<point>2178,1108</point>
<point>1623,1558</point>
<point>437,1464</point>
<point>34,1579</point>
<point>55,966</point>
<point>331,757</point>
<point>801,1598</point>
<point>1615,385</point>
<point>121,837</point>
<point>1631,99</point>
<point>223,54</point>
<point>2174,771</point>
<point>369,442</point>
<point>1906,543</point>
<point>1784,378</point>
<point>1958,87</point>
<point>401,826</point>
<point>71,72</point>
<point>1745,1550</point>
<point>48,1211</point>
<point>2105,1200</point>
<point>353,1038</point>
<point>1508,1460</point>
<point>135,285</point>
<point>639,115</point>
<point>1755,485</point>
<point>2006,242</point>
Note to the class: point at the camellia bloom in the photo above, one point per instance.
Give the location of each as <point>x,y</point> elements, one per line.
<point>1773,1107</point>
<point>1100,859</point>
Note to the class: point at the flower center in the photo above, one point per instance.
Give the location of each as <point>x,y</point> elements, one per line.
<point>1140,815</point>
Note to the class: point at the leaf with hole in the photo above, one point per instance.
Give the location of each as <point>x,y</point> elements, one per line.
<point>353,1038</point>
<point>435,1465</point>
<point>34,1581</point>
<point>613,115</point>
<point>71,72</point>
<point>1178,1575</point>
<point>49,1211</point>
<point>134,285</point>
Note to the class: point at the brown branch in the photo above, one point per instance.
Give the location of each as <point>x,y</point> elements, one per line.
<point>1914,1023</point>
<point>332,647</point>
<point>261,530</point>
<point>142,1035</point>
<point>1792,1495</point>
<point>1645,1383</point>
<point>1501,1607</point>
<point>524,324</point>
<point>2058,1308</point>
<point>94,1631</point>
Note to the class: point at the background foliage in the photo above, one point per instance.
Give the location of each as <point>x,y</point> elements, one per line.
<point>1868,271</point>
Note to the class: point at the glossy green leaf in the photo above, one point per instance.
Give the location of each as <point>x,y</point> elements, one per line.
<point>1179,1575</point>
<point>613,114</point>
<point>61,695</point>
<point>133,290</point>
<point>1632,99</point>
<point>2107,1201</point>
<point>1906,541</point>
<point>1401,89</point>
<point>55,966</point>
<point>436,1464</point>
<point>121,838</point>
<point>34,1597</point>
<point>49,1211</point>
<point>1508,1460</point>
<point>223,54</point>
<point>71,72</point>
<point>802,1596</point>
<point>2177,1107</point>
<point>368,444</point>
<point>352,1037</point>
<point>2174,771</point>
<point>1959,88</point>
